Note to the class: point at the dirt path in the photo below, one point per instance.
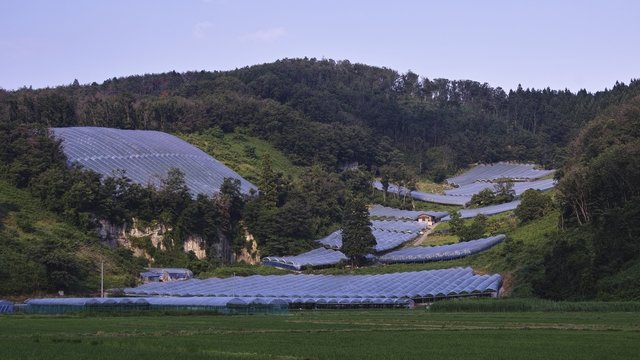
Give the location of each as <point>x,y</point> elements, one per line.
<point>418,241</point>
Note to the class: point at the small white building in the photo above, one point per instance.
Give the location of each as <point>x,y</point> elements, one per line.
<point>165,274</point>
<point>431,217</point>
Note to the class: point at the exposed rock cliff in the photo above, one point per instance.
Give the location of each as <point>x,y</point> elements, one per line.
<point>139,239</point>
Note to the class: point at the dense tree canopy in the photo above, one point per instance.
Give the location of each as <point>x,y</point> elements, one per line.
<point>534,205</point>
<point>346,123</point>
<point>357,239</point>
<point>599,198</point>
<point>34,161</point>
<point>333,113</point>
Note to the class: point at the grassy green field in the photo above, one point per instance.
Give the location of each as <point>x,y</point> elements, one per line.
<point>429,186</point>
<point>241,152</point>
<point>357,334</point>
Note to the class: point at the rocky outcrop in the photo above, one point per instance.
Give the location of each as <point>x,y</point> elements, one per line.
<point>133,237</point>
<point>140,238</point>
<point>197,245</point>
<point>249,254</point>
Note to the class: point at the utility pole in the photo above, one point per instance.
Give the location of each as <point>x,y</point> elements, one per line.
<point>102,278</point>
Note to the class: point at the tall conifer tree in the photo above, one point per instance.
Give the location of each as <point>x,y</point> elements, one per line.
<point>357,239</point>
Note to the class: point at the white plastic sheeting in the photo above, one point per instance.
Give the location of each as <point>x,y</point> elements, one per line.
<point>398,225</point>
<point>491,172</point>
<point>439,253</point>
<point>6,307</point>
<point>487,210</point>
<point>313,258</point>
<point>145,156</point>
<point>428,197</point>
<point>518,187</point>
<point>479,178</point>
<point>412,285</point>
<point>385,239</point>
<point>392,213</point>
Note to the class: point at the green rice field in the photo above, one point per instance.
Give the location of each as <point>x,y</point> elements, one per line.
<point>325,334</point>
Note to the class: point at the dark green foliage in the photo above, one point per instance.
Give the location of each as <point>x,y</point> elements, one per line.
<point>569,272</point>
<point>63,268</point>
<point>599,197</point>
<point>26,152</point>
<point>357,239</point>
<point>532,305</point>
<point>87,201</point>
<point>502,193</point>
<point>270,184</point>
<point>124,200</point>
<point>230,203</point>
<point>475,230</point>
<point>263,213</point>
<point>334,113</point>
<point>623,285</point>
<point>456,224</point>
<point>325,192</point>
<point>534,205</point>
<point>357,180</point>
<point>250,151</point>
<point>398,173</point>
<point>285,218</point>
<point>605,165</point>
<point>21,272</point>
<point>485,197</point>
<point>41,253</point>
<point>439,162</point>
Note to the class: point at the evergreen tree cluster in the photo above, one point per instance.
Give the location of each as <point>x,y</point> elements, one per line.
<point>357,238</point>
<point>289,213</point>
<point>597,247</point>
<point>466,232</point>
<point>333,113</point>
<point>32,160</point>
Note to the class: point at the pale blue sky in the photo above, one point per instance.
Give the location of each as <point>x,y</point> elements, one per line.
<point>559,44</point>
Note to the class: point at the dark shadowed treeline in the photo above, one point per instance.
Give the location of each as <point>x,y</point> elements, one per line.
<point>597,250</point>
<point>333,113</point>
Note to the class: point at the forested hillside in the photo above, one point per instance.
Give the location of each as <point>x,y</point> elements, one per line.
<point>40,252</point>
<point>333,113</point>
<point>283,219</point>
<point>50,214</point>
<point>292,127</point>
<point>597,250</point>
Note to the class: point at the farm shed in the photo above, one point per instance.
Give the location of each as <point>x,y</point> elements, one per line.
<point>431,217</point>
<point>165,274</point>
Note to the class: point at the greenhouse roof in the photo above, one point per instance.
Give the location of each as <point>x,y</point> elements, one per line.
<point>145,156</point>
<point>440,253</point>
<point>421,284</point>
<point>501,170</point>
<point>313,258</point>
